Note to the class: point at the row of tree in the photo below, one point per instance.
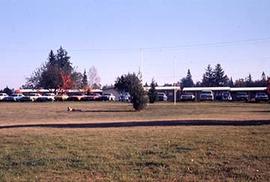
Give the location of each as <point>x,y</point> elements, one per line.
<point>217,78</point>
<point>58,73</point>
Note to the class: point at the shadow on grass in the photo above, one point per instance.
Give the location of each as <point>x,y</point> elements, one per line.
<point>98,111</point>
<point>108,111</point>
<point>265,111</point>
<point>144,123</point>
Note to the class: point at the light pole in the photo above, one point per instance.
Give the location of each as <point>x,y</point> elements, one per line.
<point>141,62</point>
<point>174,79</point>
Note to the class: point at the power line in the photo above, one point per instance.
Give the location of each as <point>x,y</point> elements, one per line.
<point>213,44</point>
<point>209,44</point>
<point>157,48</point>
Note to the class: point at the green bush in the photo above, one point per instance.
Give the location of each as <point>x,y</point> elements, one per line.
<point>152,93</point>
<point>132,84</point>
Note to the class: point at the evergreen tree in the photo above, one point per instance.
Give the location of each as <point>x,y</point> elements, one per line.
<point>240,83</point>
<point>152,93</point>
<point>198,84</point>
<point>248,81</point>
<point>50,75</point>
<point>219,77</point>
<point>264,77</point>
<point>187,81</point>
<point>52,59</point>
<point>84,80</point>
<point>132,84</point>
<point>8,90</point>
<point>146,84</point>
<point>208,77</point>
<point>263,81</point>
<point>230,83</point>
<point>268,85</point>
<point>63,61</point>
<point>77,78</point>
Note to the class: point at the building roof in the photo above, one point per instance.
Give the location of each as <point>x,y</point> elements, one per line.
<point>160,88</point>
<point>193,89</point>
<point>33,90</point>
<point>235,89</point>
<point>52,90</point>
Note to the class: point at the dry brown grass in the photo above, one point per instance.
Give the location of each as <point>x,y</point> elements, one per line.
<point>186,153</point>
<point>14,113</point>
<point>157,153</point>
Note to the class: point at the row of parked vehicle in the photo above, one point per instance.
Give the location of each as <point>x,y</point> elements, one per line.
<point>187,96</point>
<point>224,96</point>
<point>36,97</point>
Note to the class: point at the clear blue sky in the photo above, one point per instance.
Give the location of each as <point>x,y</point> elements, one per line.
<point>109,33</point>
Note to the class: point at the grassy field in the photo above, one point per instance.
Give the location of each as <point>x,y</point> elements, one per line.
<point>13,113</point>
<point>189,153</point>
<point>157,153</point>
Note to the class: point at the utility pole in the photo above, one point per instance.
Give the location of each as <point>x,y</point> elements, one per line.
<point>174,79</point>
<point>141,62</point>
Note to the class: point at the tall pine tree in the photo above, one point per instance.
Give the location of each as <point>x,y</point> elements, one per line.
<point>50,75</point>
<point>219,77</point>
<point>249,81</point>
<point>187,81</point>
<point>84,80</point>
<point>208,77</point>
<point>152,93</point>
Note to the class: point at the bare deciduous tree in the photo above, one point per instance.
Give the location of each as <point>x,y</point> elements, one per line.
<point>93,78</point>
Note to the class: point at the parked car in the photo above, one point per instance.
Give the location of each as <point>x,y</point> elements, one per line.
<point>162,96</point>
<point>226,96</point>
<point>61,97</point>
<point>46,97</point>
<point>261,96</point>
<point>187,97</point>
<point>242,96</point>
<point>125,97</point>
<point>218,96</point>
<point>91,97</point>
<point>76,97</point>
<point>30,98</point>
<point>107,97</point>
<point>206,95</point>
<point>2,96</point>
<point>13,98</point>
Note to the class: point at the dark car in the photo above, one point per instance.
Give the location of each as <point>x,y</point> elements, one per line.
<point>30,98</point>
<point>124,97</point>
<point>226,96</point>
<point>187,97</point>
<point>261,97</point>
<point>75,97</point>
<point>242,96</point>
<point>107,97</point>
<point>91,97</point>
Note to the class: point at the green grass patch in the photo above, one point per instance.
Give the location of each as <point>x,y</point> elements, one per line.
<point>137,154</point>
